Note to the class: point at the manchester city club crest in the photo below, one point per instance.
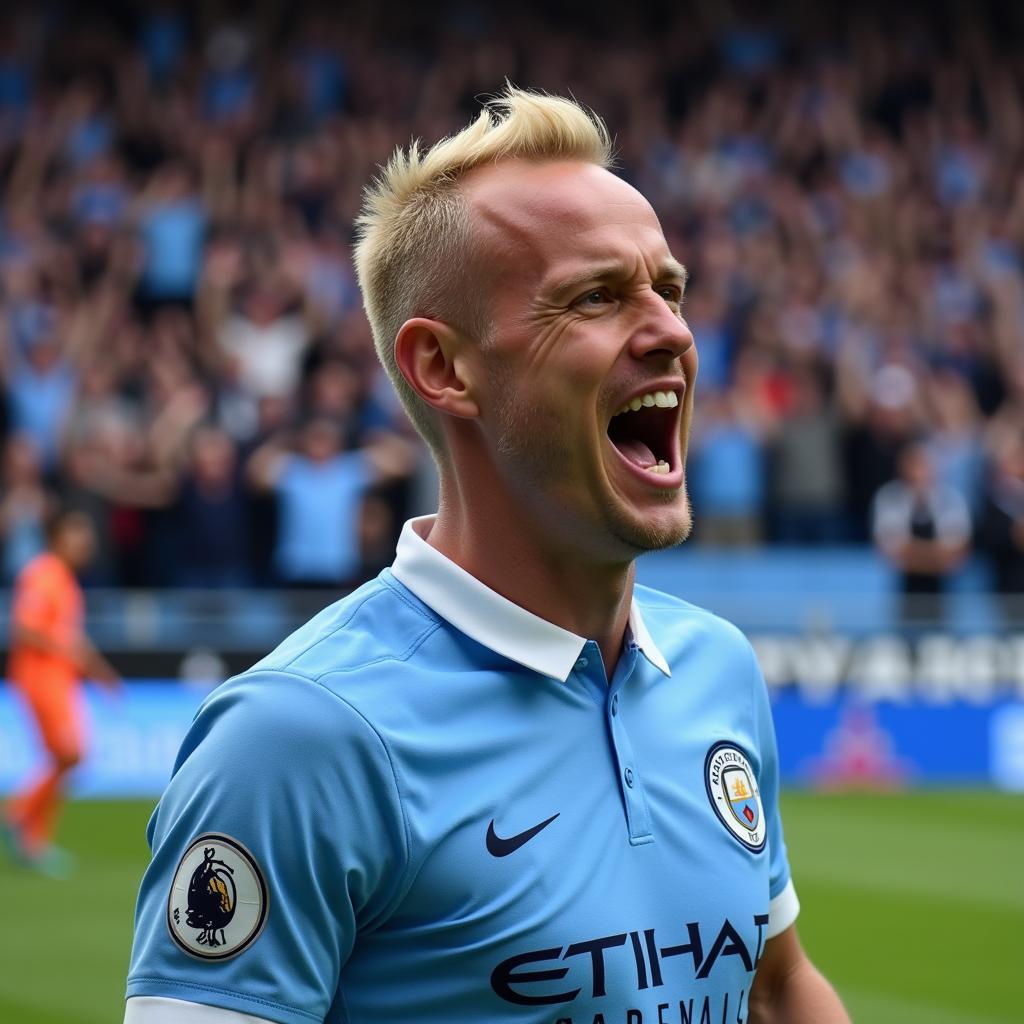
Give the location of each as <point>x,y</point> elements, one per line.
<point>218,901</point>
<point>732,790</point>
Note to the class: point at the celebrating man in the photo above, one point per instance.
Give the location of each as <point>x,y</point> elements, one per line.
<point>499,783</point>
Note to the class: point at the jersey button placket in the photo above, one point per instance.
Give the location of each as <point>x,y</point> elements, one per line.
<point>638,820</point>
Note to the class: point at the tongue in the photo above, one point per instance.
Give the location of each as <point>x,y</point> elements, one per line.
<point>637,452</point>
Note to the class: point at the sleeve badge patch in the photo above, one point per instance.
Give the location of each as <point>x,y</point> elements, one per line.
<point>218,903</point>
<point>732,790</point>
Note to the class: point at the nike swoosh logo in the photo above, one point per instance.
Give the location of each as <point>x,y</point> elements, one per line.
<point>498,847</point>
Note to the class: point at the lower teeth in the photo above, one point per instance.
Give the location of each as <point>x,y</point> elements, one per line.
<point>661,468</point>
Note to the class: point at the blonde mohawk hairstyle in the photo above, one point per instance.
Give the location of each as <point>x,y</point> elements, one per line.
<point>414,237</point>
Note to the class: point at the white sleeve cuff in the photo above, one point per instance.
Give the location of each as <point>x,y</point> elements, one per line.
<point>158,1010</point>
<point>782,911</point>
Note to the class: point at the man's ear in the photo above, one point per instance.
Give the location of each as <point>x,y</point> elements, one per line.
<point>433,358</point>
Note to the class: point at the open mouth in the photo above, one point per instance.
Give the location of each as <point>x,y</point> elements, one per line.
<point>644,431</point>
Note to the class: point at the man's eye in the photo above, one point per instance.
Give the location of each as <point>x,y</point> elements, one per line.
<point>670,293</point>
<point>598,297</point>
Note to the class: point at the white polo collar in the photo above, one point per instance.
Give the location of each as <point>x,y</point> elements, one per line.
<point>493,620</point>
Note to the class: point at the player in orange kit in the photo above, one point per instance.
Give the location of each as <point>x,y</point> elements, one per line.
<point>50,656</point>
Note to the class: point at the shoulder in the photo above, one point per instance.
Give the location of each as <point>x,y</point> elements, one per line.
<point>684,631</point>
<point>666,612</point>
<point>377,625</point>
<point>317,694</point>
<point>323,690</point>
<point>37,569</point>
<point>281,731</point>
<point>45,573</point>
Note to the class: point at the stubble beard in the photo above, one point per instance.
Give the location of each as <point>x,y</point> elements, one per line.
<point>533,441</point>
<point>645,537</point>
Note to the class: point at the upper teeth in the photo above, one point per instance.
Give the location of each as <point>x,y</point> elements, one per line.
<point>662,399</point>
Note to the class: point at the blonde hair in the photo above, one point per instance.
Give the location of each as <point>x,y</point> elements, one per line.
<point>414,237</point>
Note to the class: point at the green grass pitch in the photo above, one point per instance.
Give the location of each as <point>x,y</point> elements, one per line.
<point>913,904</point>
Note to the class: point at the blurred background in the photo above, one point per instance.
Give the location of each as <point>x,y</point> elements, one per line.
<point>184,357</point>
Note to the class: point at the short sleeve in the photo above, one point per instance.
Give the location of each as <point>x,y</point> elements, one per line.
<point>783,906</point>
<point>279,837</point>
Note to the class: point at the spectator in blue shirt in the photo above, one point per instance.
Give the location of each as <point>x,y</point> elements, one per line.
<point>320,489</point>
<point>23,506</point>
<point>172,226</point>
<point>728,475</point>
<point>40,390</point>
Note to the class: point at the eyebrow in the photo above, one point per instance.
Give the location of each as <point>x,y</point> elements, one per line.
<point>668,269</point>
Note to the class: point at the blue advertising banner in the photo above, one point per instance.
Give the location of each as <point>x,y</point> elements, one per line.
<point>838,740</point>
<point>846,741</point>
<point>133,738</point>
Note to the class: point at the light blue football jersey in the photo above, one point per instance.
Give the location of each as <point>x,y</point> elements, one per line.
<point>429,805</point>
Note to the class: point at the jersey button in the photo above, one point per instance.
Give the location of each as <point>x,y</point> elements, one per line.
<point>581,664</point>
<point>628,776</point>
<point>615,704</point>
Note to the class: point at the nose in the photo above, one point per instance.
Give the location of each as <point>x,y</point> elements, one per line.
<point>661,332</point>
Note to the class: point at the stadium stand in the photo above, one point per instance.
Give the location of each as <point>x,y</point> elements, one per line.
<point>179,183</point>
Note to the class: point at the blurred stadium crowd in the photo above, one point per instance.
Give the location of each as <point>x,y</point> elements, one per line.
<point>185,356</point>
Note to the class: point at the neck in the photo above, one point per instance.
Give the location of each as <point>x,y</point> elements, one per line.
<point>494,542</point>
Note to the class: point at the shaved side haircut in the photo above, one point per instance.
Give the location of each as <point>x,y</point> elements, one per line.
<point>414,249</point>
